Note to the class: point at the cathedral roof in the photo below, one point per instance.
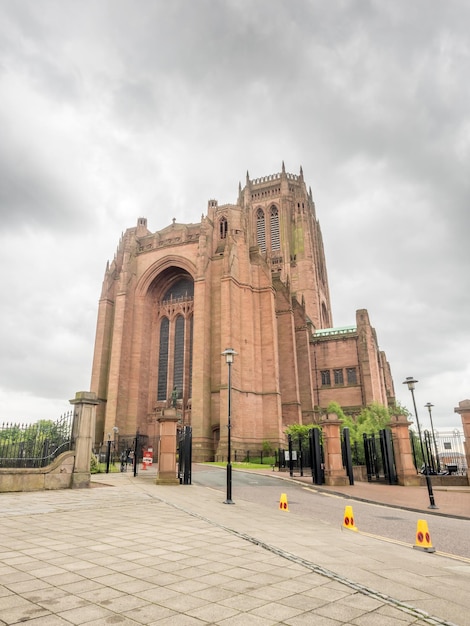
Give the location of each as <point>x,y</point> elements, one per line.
<point>339,330</point>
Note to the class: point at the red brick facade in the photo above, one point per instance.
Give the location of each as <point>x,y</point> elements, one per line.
<point>250,276</point>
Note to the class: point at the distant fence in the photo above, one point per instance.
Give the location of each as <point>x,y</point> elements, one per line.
<point>248,456</point>
<point>442,453</point>
<point>446,451</point>
<point>35,445</point>
<point>125,450</point>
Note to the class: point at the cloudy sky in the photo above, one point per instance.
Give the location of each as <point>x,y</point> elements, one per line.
<point>115,109</point>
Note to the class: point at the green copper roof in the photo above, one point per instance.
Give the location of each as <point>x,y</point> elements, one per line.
<point>339,330</point>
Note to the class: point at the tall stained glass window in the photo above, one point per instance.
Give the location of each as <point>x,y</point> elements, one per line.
<point>163,359</point>
<point>260,230</point>
<point>275,240</point>
<point>178,363</point>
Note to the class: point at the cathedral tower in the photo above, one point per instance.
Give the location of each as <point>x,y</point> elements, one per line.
<point>283,225</point>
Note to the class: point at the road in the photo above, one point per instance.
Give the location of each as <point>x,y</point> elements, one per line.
<point>448,535</point>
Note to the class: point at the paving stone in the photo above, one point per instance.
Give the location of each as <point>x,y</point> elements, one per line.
<point>189,561</point>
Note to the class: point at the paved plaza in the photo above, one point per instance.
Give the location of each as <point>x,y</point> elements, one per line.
<point>129,552</point>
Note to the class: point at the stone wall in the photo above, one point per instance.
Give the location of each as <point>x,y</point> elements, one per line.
<point>70,470</point>
<point>58,475</point>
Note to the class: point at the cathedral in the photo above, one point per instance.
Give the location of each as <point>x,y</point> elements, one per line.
<point>250,276</point>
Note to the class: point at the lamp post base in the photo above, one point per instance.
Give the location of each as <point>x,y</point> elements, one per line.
<point>432,504</point>
<point>228,499</point>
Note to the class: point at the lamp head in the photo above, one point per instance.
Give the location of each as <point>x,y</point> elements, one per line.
<point>229,353</point>
<point>429,406</point>
<point>410,381</point>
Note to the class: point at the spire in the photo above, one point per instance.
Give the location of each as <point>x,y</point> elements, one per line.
<point>283,168</point>
<point>247,178</point>
<point>310,193</point>
<point>301,173</point>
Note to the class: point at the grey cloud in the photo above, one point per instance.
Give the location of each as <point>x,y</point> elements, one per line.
<point>30,196</point>
<point>108,113</point>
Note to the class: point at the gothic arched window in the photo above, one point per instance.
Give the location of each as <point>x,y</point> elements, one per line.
<point>175,324</point>
<point>191,326</point>
<point>183,288</point>
<point>275,240</point>
<point>260,230</point>
<point>223,225</point>
<point>163,359</point>
<point>178,362</point>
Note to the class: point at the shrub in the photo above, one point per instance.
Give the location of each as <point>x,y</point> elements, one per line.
<point>94,465</point>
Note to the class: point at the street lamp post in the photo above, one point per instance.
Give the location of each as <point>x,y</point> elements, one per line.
<point>429,406</point>
<point>410,381</point>
<point>229,353</point>
<point>108,452</point>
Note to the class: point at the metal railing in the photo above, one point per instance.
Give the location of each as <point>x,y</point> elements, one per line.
<point>124,453</point>
<point>247,456</point>
<point>35,445</point>
<point>444,452</point>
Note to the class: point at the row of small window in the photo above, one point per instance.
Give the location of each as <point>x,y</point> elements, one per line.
<point>338,377</point>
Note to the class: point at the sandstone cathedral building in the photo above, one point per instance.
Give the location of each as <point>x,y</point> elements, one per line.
<point>250,276</point>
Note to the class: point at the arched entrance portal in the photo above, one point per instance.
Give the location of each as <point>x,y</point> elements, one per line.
<point>172,293</point>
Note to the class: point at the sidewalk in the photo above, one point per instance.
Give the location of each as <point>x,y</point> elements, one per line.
<point>451,501</point>
<point>130,552</point>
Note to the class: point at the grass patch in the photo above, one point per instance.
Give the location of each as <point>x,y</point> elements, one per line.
<point>100,468</point>
<point>237,465</point>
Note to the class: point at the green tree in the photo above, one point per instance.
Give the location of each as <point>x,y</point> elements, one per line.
<point>334,407</point>
<point>267,448</point>
<point>300,430</point>
<point>370,420</point>
<point>94,465</point>
<point>12,434</point>
<point>29,441</point>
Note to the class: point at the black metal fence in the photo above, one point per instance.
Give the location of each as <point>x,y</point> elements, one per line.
<point>379,457</point>
<point>304,456</point>
<point>35,445</point>
<point>126,452</point>
<point>247,456</point>
<point>107,455</point>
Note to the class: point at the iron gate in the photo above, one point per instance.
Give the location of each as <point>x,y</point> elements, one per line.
<point>379,457</point>
<point>304,457</point>
<point>347,454</point>
<point>317,455</point>
<point>185,442</point>
<point>307,458</point>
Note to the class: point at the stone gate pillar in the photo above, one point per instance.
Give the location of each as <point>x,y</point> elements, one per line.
<point>335,474</point>
<point>464,411</point>
<point>406,471</point>
<point>83,434</point>
<point>166,474</point>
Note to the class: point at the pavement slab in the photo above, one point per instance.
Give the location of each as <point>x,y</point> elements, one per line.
<point>133,552</point>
